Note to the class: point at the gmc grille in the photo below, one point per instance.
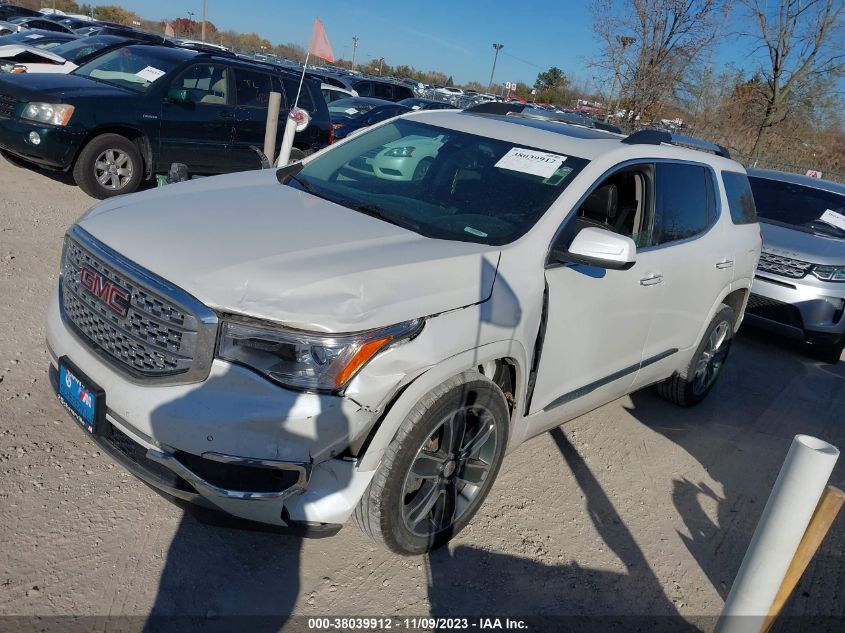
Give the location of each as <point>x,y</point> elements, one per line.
<point>158,337</point>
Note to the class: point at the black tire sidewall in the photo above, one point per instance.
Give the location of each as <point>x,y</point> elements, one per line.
<point>83,170</point>
<point>424,161</point>
<point>396,534</point>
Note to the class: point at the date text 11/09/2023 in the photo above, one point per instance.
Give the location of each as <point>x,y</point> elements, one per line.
<point>415,624</point>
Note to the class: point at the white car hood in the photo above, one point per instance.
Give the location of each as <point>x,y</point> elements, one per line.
<point>12,50</point>
<point>243,243</point>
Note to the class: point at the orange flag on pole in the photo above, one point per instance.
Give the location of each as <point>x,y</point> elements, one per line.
<point>320,42</point>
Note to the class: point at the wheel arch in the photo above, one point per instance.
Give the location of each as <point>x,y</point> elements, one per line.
<point>504,361</point>
<point>137,136</point>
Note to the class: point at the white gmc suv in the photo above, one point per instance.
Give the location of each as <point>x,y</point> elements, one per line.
<point>301,346</point>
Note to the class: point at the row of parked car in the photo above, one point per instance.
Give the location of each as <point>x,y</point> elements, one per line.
<point>117,109</point>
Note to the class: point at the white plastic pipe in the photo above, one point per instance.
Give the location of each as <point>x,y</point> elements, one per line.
<point>794,497</point>
<point>287,142</point>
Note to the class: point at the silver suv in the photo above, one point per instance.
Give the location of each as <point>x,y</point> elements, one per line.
<point>799,286</point>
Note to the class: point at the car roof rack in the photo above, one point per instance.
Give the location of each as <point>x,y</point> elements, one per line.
<point>657,137</point>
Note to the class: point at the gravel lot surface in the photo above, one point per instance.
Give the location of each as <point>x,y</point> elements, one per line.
<point>636,508</point>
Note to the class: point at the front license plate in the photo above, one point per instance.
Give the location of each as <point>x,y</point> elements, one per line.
<point>84,400</point>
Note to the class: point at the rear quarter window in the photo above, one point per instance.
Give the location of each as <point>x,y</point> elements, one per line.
<point>740,197</point>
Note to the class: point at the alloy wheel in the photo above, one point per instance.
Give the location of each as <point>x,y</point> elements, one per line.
<point>113,169</point>
<point>449,470</point>
<point>712,358</point>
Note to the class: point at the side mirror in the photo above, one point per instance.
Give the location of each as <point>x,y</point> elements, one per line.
<point>178,95</point>
<point>597,247</point>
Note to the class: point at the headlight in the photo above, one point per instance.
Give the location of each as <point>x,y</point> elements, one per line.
<point>52,113</point>
<point>305,360</point>
<point>400,152</point>
<point>829,273</point>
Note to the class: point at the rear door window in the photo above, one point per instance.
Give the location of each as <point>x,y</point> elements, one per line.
<point>685,202</point>
<point>740,197</point>
<point>252,88</point>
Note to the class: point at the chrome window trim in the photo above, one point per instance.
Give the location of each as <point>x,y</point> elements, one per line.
<point>207,321</point>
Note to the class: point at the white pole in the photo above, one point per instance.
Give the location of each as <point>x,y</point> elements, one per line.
<point>290,123</point>
<point>791,504</point>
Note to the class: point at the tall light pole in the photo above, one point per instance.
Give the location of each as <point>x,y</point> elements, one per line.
<point>203,21</point>
<point>498,47</point>
<point>354,49</point>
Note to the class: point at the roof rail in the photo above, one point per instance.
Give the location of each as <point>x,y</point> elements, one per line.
<point>656,137</point>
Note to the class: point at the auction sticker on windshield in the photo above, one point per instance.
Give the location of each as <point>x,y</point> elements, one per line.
<point>530,161</point>
<point>150,74</point>
<point>833,218</point>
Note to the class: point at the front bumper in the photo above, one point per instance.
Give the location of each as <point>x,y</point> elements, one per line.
<point>57,148</point>
<point>234,442</point>
<point>806,309</point>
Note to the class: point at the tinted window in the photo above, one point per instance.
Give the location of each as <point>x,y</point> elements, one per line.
<point>796,206</point>
<point>740,198</point>
<point>206,84</point>
<point>252,88</point>
<point>382,91</point>
<point>363,88</point>
<point>402,92</point>
<point>685,205</point>
<point>306,99</point>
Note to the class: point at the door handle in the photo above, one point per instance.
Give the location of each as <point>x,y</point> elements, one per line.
<point>651,281</point>
<point>227,115</point>
<point>727,263</point>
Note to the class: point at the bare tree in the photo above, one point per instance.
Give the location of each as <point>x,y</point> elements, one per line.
<point>805,41</point>
<point>652,43</point>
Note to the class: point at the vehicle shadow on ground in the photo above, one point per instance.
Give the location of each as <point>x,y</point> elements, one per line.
<point>223,573</point>
<point>771,390</point>
<point>472,582</point>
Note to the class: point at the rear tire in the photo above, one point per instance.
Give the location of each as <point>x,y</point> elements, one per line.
<point>109,165</point>
<point>692,385</point>
<point>439,468</point>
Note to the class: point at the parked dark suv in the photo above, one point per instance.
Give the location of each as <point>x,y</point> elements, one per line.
<point>131,113</point>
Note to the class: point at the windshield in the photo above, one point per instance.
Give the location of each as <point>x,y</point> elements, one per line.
<point>80,48</point>
<point>796,206</point>
<point>135,68</point>
<point>351,107</point>
<point>441,183</point>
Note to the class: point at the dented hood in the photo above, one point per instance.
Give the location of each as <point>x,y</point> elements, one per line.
<point>245,244</point>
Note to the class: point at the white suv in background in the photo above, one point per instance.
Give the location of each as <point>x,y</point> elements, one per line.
<point>301,346</point>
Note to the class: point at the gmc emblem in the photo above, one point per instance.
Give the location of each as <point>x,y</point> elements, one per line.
<point>113,296</point>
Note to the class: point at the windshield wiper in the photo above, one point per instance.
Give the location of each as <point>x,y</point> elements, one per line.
<point>377,212</point>
<point>825,227</point>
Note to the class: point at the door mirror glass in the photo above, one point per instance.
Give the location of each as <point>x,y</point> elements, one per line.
<point>178,95</point>
<point>598,247</point>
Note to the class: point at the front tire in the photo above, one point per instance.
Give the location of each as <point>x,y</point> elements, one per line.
<point>692,385</point>
<point>109,165</point>
<point>829,352</point>
<point>439,468</point>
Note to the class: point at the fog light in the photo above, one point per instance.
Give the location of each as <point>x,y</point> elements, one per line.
<point>34,138</point>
